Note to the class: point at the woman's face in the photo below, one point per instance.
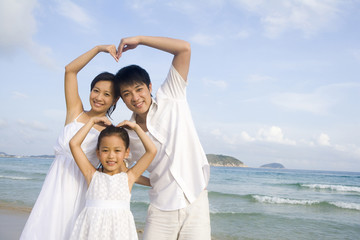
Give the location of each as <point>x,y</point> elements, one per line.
<point>102,96</point>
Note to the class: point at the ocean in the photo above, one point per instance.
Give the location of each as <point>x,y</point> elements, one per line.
<point>245,203</point>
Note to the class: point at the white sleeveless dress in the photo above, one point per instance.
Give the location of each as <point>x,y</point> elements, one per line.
<point>107,214</point>
<point>62,196</point>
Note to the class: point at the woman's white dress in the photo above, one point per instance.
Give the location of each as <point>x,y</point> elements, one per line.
<point>62,196</point>
<point>107,214</point>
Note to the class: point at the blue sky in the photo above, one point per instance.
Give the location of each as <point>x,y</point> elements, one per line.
<point>270,81</point>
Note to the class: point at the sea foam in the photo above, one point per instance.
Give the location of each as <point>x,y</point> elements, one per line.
<point>15,177</point>
<point>352,206</point>
<point>279,200</point>
<point>340,188</point>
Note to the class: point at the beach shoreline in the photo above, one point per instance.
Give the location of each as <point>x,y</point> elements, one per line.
<point>12,221</point>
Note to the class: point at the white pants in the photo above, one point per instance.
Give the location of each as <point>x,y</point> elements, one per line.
<point>191,222</point>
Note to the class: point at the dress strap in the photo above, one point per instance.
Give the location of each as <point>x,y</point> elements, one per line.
<point>78,116</point>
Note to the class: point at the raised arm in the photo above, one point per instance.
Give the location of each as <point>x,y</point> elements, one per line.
<point>74,105</point>
<point>179,48</point>
<point>150,151</point>
<point>80,158</point>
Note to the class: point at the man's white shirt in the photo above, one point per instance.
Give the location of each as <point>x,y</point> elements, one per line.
<point>180,170</point>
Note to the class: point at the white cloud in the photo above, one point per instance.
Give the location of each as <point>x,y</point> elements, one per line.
<point>319,101</point>
<point>141,4</point>
<point>355,150</point>
<point>355,53</point>
<point>254,145</point>
<point>233,136</point>
<point>274,134</point>
<point>309,143</point>
<point>350,150</point>
<point>216,132</point>
<point>75,13</point>
<point>311,102</point>
<point>217,37</point>
<point>323,140</point>
<point>33,125</point>
<point>217,84</point>
<point>43,55</point>
<point>221,133</point>
<point>246,137</point>
<point>232,140</point>
<point>185,7</point>
<point>340,148</point>
<point>55,114</point>
<point>197,8</point>
<point>3,123</point>
<point>204,39</point>
<point>308,16</point>
<point>258,78</point>
<point>17,24</point>
<point>19,95</point>
<point>242,34</point>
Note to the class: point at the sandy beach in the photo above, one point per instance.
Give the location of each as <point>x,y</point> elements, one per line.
<point>12,221</point>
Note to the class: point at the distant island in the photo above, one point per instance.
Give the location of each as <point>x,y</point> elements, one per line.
<point>224,161</point>
<point>272,165</point>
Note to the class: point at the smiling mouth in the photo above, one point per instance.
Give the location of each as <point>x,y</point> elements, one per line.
<point>110,163</point>
<point>98,104</point>
<point>139,105</point>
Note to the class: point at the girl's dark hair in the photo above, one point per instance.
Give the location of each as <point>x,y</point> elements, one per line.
<point>106,76</point>
<point>111,131</point>
<point>132,74</point>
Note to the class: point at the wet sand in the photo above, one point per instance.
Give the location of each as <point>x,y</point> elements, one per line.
<point>13,219</point>
<point>12,222</point>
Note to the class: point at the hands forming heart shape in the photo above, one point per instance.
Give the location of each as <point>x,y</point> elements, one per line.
<point>124,45</point>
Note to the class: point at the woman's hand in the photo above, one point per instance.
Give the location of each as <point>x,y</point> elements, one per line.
<point>101,121</point>
<point>109,49</point>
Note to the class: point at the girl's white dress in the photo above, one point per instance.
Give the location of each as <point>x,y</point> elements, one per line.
<point>107,214</point>
<point>62,196</point>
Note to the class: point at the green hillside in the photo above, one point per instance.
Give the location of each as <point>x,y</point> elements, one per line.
<point>224,161</point>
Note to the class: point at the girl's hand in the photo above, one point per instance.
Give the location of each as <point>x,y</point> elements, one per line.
<point>109,49</point>
<point>127,44</point>
<point>127,124</point>
<point>101,121</point>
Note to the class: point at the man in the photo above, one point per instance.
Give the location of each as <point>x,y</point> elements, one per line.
<point>179,174</point>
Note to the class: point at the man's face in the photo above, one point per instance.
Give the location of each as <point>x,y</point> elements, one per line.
<point>137,97</point>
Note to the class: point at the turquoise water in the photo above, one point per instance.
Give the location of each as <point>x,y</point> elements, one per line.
<point>245,203</point>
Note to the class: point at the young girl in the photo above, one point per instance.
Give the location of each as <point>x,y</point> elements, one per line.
<point>107,212</point>
<point>62,196</point>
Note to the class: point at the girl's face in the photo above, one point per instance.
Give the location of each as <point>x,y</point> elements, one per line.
<point>101,96</point>
<point>111,153</point>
